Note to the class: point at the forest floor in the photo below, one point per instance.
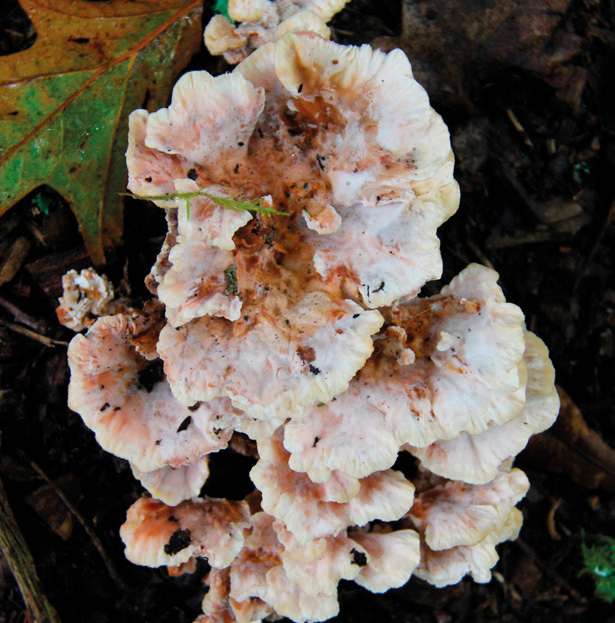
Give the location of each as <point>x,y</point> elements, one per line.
<point>527,91</point>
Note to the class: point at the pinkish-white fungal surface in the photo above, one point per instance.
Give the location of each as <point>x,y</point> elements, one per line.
<point>156,534</point>
<point>125,399</point>
<point>303,193</point>
<point>254,23</point>
<point>311,511</point>
<point>391,558</point>
<point>447,365</point>
<point>476,458</point>
<point>172,485</point>
<point>455,513</point>
<point>258,572</point>
<point>445,567</point>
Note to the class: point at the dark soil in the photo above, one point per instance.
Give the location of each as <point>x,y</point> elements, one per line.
<point>536,167</point>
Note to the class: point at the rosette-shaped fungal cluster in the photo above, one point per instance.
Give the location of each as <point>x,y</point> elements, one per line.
<point>303,192</point>
<point>249,24</point>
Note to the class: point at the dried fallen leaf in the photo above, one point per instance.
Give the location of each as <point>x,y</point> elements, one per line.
<point>12,259</point>
<point>571,447</point>
<point>49,506</point>
<point>64,102</point>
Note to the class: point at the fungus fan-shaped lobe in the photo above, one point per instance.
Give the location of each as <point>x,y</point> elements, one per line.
<point>311,511</point>
<point>258,22</point>
<point>203,135</point>
<point>460,525</point>
<point>319,566</point>
<point>467,375</point>
<point>476,458</point>
<point>365,145</point>
<point>127,402</point>
<point>173,485</point>
<point>195,283</point>
<point>258,572</point>
<point>392,249</point>
<point>446,567</point>
<point>392,557</point>
<point>455,513</point>
<point>220,607</point>
<point>151,172</point>
<point>208,118</point>
<point>268,368</point>
<point>156,534</point>
<point>384,145</point>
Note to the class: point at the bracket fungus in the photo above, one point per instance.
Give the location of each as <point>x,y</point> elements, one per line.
<point>303,192</point>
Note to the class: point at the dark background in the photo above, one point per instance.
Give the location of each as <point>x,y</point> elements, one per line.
<point>527,89</point>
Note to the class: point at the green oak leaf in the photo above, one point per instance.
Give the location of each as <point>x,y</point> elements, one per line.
<point>65,101</point>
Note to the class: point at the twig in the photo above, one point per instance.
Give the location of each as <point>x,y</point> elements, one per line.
<point>22,566</point>
<point>19,315</point>
<point>115,576</point>
<point>479,254</point>
<point>43,339</point>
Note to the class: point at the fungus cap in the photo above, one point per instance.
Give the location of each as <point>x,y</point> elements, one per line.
<point>261,22</point>
<point>457,514</point>
<point>319,566</point>
<point>258,572</point>
<point>127,402</point>
<point>477,458</point>
<point>173,485</point>
<point>392,557</point>
<point>467,374</point>
<point>156,534</point>
<point>271,366</point>
<point>311,511</point>
<point>447,567</point>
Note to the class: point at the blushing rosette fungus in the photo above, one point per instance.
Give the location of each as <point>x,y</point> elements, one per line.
<point>252,23</point>
<point>303,192</point>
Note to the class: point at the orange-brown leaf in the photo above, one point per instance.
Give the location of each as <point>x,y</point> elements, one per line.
<point>64,102</point>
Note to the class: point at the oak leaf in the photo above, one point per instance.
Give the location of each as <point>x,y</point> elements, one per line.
<point>64,102</point>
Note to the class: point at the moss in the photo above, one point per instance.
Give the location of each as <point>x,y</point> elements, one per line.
<point>599,561</point>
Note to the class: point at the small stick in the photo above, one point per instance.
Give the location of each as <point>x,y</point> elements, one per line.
<point>20,561</point>
<point>479,254</point>
<point>43,339</point>
<point>115,576</point>
<point>19,315</point>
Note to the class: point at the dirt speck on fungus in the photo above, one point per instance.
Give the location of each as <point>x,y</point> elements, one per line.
<point>179,540</point>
